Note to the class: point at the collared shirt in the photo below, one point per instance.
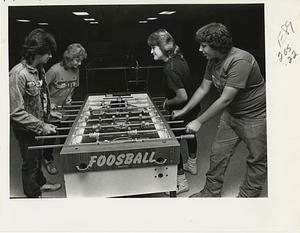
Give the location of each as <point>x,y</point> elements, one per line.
<point>29,97</point>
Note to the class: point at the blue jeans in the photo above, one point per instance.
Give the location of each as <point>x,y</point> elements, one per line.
<point>231,131</point>
<point>32,175</point>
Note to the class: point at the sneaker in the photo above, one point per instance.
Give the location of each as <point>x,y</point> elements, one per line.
<point>50,167</point>
<point>190,168</point>
<point>204,193</point>
<point>180,189</point>
<point>50,187</point>
<point>182,185</point>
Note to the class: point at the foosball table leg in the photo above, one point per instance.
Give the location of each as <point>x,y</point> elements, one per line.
<point>173,194</point>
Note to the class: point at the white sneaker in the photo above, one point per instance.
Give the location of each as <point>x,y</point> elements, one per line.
<point>193,169</point>
<point>182,185</point>
<point>50,167</point>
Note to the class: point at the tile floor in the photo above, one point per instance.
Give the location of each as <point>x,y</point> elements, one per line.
<point>233,178</point>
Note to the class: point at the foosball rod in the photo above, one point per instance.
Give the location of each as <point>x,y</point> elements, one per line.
<point>122,125</point>
<point>70,115</point>
<point>110,133</point>
<point>120,105</point>
<point>112,126</point>
<point>158,97</point>
<point>117,113</point>
<point>107,100</point>
<point>77,102</point>
<point>63,128</point>
<point>120,118</point>
<point>71,110</point>
<point>72,121</point>
<point>129,132</point>
<point>119,98</point>
<point>182,137</point>
<point>51,136</point>
<point>108,113</point>
<point>69,106</point>
<point>139,140</point>
<point>121,108</point>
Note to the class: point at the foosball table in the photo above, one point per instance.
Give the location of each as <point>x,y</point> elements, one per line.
<point>119,145</point>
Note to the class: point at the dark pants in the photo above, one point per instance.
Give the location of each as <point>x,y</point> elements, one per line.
<point>32,175</point>
<point>48,153</point>
<point>191,143</point>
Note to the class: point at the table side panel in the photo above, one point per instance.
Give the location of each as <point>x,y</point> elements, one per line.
<point>120,159</point>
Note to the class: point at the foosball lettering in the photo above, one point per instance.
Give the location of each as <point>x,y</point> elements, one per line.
<point>122,159</point>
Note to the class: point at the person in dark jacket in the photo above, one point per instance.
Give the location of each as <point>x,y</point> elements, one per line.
<point>30,106</point>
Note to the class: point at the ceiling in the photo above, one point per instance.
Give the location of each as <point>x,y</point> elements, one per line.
<point>116,14</point>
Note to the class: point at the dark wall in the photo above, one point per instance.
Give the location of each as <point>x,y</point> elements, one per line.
<point>246,27</point>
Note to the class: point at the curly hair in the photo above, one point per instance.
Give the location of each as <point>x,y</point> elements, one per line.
<point>73,51</point>
<point>216,35</point>
<point>165,42</point>
<point>38,42</point>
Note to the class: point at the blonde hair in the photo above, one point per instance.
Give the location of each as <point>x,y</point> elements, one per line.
<point>73,51</point>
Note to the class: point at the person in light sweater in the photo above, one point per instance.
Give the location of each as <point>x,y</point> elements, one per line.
<point>62,79</point>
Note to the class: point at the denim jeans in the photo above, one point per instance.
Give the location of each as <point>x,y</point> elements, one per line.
<point>32,175</point>
<point>231,131</point>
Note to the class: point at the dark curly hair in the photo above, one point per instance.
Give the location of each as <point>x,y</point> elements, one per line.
<point>216,35</point>
<point>38,42</point>
<point>165,42</point>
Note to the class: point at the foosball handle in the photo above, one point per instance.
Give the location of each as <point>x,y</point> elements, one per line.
<point>83,168</point>
<point>160,161</point>
<point>187,136</point>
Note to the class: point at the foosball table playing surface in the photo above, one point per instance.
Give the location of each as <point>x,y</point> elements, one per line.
<point>119,145</point>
